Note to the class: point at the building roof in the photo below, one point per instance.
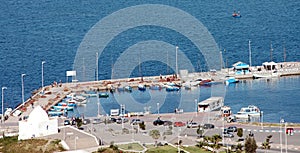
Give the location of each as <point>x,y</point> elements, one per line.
<point>38,115</point>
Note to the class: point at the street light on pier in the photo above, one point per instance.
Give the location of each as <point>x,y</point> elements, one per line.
<point>157,104</point>
<point>43,62</point>
<point>196,107</point>
<point>176,58</point>
<point>2,118</point>
<point>22,79</point>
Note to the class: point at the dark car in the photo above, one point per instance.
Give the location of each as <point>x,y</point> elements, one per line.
<point>232,129</point>
<point>67,122</point>
<point>167,123</point>
<point>227,134</point>
<point>208,126</point>
<point>158,122</point>
<point>120,120</point>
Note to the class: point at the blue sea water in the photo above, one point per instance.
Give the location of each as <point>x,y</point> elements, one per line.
<point>33,31</point>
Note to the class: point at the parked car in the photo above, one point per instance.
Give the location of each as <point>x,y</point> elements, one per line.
<point>232,129</point>
<point>179,124</point>
<point>112,120</point>
<point>97,121</point>
<point>120,120</point>
<point>167,123</point>
<point>86,121</point>
<point>208,126</point>
<point>192,125</point>
<point>136,121</point>
<point>67,122</point>
<point>227,135</point>
<point>158,122</point>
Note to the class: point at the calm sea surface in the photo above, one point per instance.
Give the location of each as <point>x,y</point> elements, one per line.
<point>33,31</point>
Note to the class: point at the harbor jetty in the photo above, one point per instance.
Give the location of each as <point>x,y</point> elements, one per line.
<point>52,94</point>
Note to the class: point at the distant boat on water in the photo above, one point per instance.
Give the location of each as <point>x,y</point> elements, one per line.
<point>236,14</point>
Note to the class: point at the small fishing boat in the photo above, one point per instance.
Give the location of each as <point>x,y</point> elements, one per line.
<point>172,88</point>
<point>155,87</point>
<point>141,87</point>
<point>103,95</point>
<point>236,14</point>
<point>55,113</point>
<point>89,94</point>
<point>128,88</point>
<point>231,80</point>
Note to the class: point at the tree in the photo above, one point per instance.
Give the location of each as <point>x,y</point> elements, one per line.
<point>239,148</point>
<point>142,126</point>
<point>216,139</point>
<point>266,144</point>
<point>155,134</point>
<point>250,145</point>
<point>200,131</point>
<point>240,133</point>
<point>78,122</point>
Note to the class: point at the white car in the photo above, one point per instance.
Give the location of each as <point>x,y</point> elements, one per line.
<point>97,121</point>
<point>192,125</point>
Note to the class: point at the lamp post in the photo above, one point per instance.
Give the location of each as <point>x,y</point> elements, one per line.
<point>157,104</point>
<point>22,79</point>
<point>262,119</point>
<point>97,67</point>
<point>176,61</point>
<point>3,88</point>
<point>196,107</point>
<point>281,121</point>
<point>43,62</point>
<point>285,137</point>
<point>76,142</point>
<point>178,148</point>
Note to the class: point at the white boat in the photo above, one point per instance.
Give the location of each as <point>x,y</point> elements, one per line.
<point>73,98</point>
<point>266,75</point>
<point>246,112</point>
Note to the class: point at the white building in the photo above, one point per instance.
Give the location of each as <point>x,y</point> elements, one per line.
<point>38,124</point>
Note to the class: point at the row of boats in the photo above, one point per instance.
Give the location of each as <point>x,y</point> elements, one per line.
<point>171,86</point>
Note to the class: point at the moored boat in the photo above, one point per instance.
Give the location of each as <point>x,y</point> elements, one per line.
<point>141,87</point>
<point>103,95</point>
<point>246,112</point>
<point>172,88</point>
<point>231,80</point>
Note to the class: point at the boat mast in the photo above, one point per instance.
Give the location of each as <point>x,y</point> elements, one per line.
<point>167,61</point>
<point>112,66</point>
<point>284,53</point>
<point>176,61</point>
<point>221,59</point>
<point>250,62</point>
<point>271,50</point>
<point>140,69</point>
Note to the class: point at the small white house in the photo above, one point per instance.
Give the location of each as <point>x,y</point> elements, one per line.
<point>38,124</point>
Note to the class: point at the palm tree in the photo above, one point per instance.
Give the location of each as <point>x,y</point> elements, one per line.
<point>216,139</point>
<point>155,134</point>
